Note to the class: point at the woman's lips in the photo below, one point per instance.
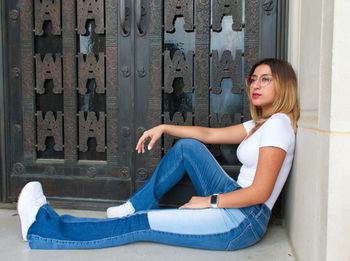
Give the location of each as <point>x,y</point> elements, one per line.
<point>256,95</point>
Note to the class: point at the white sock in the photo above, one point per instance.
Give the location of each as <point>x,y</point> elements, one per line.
<point>123,210</point>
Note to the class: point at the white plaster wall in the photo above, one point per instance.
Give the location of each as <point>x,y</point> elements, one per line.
<point>338,232</point>
<point>305,208</point>
<point>338,229</point>
<point>340,118</point>
<point>317,208</point>
<point>306,211</point>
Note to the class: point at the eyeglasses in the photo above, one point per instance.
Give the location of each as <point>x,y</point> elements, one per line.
<point>264,80</point>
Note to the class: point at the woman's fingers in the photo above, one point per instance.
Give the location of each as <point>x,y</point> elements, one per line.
<point>152,142</point>
<point>140,147</point>
<point>152,134</point>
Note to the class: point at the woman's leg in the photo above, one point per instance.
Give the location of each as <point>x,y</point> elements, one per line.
<point>51,231</point>
<point>216,229</point>
<point>186,156</point>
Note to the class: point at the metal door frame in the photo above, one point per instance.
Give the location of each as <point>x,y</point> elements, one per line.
<point>2,103</point>
<point>281,52</point>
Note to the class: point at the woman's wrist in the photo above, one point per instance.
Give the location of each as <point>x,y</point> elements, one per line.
<point>163,128</point>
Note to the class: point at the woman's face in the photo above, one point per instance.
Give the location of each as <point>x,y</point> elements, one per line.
<point>262,89</point>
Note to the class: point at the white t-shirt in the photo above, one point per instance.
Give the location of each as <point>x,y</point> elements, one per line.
<point>277,131</point>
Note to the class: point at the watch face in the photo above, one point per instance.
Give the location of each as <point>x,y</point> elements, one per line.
<point>213,199</point>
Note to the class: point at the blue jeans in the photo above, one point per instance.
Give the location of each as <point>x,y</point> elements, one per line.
<point>215,229</point>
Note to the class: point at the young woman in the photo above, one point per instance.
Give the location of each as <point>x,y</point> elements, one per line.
<point>226,214</point>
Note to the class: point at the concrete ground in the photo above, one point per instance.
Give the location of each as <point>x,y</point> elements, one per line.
<point>273,247</point>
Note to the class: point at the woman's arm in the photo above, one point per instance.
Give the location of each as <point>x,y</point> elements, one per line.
<point>269,164</point>
<point>228,135</point>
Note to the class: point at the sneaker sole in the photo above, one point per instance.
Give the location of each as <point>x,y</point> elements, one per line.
<point>20,222</point>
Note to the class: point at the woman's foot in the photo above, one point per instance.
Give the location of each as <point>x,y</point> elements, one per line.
<point>123,210</point>
<point>30,200</point>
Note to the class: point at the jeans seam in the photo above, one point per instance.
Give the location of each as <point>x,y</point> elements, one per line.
<point>191,235</point>
<point>263,213</point>
<point>199,176</point>
<point>99,241</point>
<point>249,226</point>
<point>257,218</point>
<point>84,242</point>
<point>164,179</point>
<point>257,237</point>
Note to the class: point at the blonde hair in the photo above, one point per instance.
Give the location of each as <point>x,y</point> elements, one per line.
<point>286,100</point>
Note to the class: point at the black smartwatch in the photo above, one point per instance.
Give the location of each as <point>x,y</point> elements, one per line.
<point>214,201</point>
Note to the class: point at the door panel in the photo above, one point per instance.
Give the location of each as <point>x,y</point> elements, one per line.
<point>73,124</point>
<point>88,77</point>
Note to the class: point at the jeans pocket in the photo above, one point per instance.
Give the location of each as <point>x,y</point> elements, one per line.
<point>244,239</point>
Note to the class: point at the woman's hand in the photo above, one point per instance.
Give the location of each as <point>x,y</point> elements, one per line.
<point>153,135</point>
<point>197,203</point>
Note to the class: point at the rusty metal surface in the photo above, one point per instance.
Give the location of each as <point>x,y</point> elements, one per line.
<point>177,8</point>
<point>222,8</point>
<point>112,86</point>
<point>26,36</point>
<point>69,83</point>
<point>180,65</point>
<point>90,10</point>
<point>155,78</point>
<point>48,68</point>
<point>226,67</point>
<point>91,67</point>
<point>201,63</point>
<point>49,126</point>
<point>47,10</point>
<point>91,127</point>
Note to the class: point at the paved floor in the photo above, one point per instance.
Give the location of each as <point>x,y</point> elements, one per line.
<point>273,247</point>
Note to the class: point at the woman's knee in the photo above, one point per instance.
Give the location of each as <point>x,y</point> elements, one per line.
<point>188,143</point>
<point>190,147</point>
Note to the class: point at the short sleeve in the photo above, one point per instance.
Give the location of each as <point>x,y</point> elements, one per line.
<point>248,125</point>
<point>277,132</point>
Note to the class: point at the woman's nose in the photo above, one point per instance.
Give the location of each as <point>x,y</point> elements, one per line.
<point>257,84</point>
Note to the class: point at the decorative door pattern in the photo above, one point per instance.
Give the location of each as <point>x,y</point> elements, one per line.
<point>92,75</point>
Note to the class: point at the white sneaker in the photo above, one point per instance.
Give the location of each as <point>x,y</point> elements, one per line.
<point>123,210</point>
<point>29,202</point>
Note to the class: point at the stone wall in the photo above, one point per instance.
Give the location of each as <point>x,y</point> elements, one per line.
<point>317,208</point>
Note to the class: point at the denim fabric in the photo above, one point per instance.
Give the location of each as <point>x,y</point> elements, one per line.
<point>186,156</point>
<point>208,221</point>
<point>216,229</point>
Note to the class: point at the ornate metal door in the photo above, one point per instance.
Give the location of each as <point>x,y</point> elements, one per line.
<point>87,77</point>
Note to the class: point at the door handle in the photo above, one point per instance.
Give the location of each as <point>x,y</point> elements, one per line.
<point>122,14</point>
<point>138,13</point>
